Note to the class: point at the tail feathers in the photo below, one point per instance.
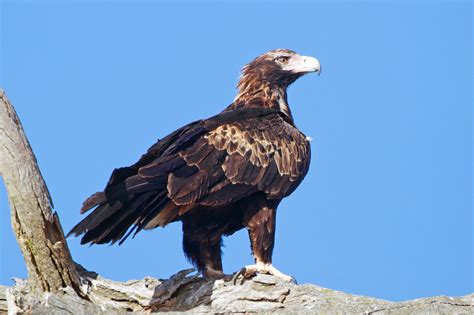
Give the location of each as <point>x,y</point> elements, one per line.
<point>154,207</point>
<point>100,214</point>
<point>123,190</point>
<point>94,200</point>
<point>118,175</point>
<point>160,216</point>
<point>109,223</point>
<point>114,226</point>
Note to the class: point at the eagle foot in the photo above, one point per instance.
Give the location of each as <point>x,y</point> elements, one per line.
<point>212,274</point>
<point>251,271</point>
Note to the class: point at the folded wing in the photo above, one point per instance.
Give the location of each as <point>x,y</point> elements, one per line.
<point>210,163</point>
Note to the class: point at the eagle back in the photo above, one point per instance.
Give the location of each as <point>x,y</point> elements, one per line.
<point>265,152</point>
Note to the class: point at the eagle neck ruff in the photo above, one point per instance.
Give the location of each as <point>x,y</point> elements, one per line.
<point>265,95</point>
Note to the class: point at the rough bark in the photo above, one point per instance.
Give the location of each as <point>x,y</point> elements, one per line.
<point>192,294</point>
<point>37,228</point>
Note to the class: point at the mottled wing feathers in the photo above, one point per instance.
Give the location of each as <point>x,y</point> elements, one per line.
<point>241,158</point>
<point>211,163</point>
<point>269,153</point>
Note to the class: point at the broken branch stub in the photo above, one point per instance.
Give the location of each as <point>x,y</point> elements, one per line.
<point>37,228</point>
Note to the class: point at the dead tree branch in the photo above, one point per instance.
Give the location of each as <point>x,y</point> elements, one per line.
<point>37,228</point>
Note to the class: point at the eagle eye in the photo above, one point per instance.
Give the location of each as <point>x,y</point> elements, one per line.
<point>283,59</point>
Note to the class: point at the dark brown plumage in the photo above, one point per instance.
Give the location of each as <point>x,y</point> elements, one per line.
<point>216,175</point>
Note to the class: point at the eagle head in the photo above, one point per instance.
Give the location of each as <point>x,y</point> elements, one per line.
<point>279,68</point>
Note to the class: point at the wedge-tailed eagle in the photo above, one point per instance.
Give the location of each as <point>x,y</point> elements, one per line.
<point>216,175</point>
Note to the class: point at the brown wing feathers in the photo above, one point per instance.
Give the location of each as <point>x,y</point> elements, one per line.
<point>262,152</point>
<point>207,163</point>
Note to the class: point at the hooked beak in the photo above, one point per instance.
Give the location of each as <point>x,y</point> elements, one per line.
<point>303,64</point>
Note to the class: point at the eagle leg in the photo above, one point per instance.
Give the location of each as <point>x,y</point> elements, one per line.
<point>250,271</point>
<point>202,246</point>
<point>260,219</point>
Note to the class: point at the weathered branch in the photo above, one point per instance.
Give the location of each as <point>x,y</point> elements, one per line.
<point>183,292</point>
<point>36,227</point>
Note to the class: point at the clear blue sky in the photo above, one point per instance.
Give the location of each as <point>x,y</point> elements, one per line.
<point>386,209</point>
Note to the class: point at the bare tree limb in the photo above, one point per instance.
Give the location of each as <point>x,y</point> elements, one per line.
<point>37,228</point>
<point>189,293</point>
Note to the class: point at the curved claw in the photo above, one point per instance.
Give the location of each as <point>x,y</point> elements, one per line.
<point>237,275</point>
<point>245,272</point>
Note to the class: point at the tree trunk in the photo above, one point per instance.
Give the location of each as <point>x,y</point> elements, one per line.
<point>37,228</point>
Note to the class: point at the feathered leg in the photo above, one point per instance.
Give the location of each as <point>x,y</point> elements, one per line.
<point>260,219</point>
<point>203,249</point>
